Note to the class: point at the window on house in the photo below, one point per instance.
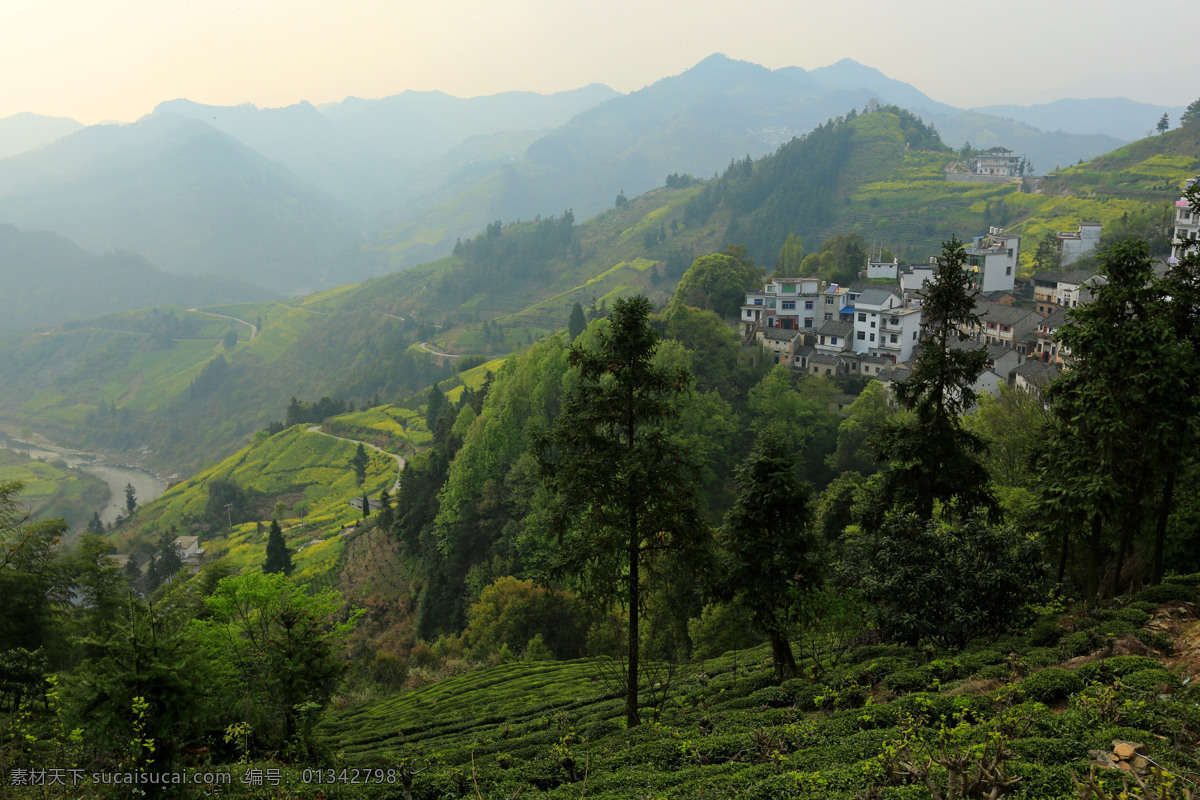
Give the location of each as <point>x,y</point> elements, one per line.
<point>872,323</point>
<point>789,305</point>
<point>872,337</point>
<point>895,339</point>
<point>861,336</point>
<point>862,317</point>
<point>833,340</point>
<point>771,302</point>
<point>758,301</point>
<point>1008,271</point>
<point>829,316</point>
<point>808,323</point>
<point>808,305</point>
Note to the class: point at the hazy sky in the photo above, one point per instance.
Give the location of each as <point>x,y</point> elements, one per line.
<point>116,59</point>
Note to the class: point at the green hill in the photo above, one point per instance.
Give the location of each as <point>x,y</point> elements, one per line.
<point>878,175</point>
<point>725,730</point>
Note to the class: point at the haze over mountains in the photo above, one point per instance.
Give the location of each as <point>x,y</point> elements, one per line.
<point>298,198</point>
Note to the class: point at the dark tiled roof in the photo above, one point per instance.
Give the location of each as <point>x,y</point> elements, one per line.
<point>779,334</point>
<point>835,327</point>
<point>1036,372</point>
<point>824,358</point>
<point>1054,320</point>
<point>1003,315</point>
<point>876,296</point>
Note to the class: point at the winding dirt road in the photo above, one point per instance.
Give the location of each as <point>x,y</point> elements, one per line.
<point>399,459</point>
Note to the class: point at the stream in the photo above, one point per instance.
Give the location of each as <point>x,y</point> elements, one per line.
<point>146,486</point>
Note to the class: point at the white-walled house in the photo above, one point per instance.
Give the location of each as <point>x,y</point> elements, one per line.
<point>1187,227</point>
<point>1073,245</point>
<point>787,303</point>
<point>883,326</point>
<point>993,257</point>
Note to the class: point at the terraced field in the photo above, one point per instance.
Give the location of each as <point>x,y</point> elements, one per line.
<point>1046,696</point>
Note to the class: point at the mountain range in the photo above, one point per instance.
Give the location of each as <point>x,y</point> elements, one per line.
<point>298,198</point>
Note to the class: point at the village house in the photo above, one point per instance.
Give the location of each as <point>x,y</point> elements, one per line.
<point>883,326</point>
<point>1007,326</point>
<point>1034,376</point>
<point>998,161</point>
<point>788,303</point>
<point>781,342</point>
<point>1073,245</point>
<point>190,552</point>
<point>1187,227</point>
<point>1055,290</point>
<point>993,257</point>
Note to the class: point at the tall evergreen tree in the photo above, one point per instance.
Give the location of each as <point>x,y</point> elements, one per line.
<point>931,456</point>
<point>622,491</point>
<point>770,553</point>
<point>279,558</point>
<point>360,462</point>
<point>130,498</point>
<point>577,322</point>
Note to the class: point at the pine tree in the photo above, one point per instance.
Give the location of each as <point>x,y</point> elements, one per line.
<point>577,322</point>
<point>931,456</point>
<point>623,491</point>
<point>360,462</point>
<point>279,558</point>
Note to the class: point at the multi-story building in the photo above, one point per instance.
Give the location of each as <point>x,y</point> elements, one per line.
<point>1007,326</point>
<point>1073,245</point>
<point>883,326</point>
<point>993,257</point>
<point>1187,227</point>
<point>998,161</point>
<point>788,303</point>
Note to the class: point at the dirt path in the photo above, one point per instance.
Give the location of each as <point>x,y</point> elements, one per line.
<point>425,346</point>
<point>253,328</point>
<point>399,459</point>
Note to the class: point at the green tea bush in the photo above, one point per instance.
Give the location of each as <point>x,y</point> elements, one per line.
<point>994,672</point>
<point>1186,580</point>
<point>945,669</point>
<point>1166,593</point>
<point>1076,644</point>
<point>1046,633</point>
<point>1109,669</point>
<point>1157,640</point>
<point>979,659</point>
<point>1045,750</point>
<point>909,680</point>
<point>871,651</point>
<point>1042,657</point>
<point>1135,616</point>
<point>1148,679</point>
<point>1142,605</point>
<point>869,673</point>
<point>804,692</point>
<point>1051,685</point>
<point>772,697</point>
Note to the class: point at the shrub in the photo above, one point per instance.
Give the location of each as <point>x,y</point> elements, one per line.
<point>871,672</point>
<point>1051,685</point>
<point>1043,750</point>
<point>1157,640</point>
<point>1109,669</point>
<point>1166,593</point>
<point>1046,633</point>
<point>909,680</point>
<point>1148,679</point>
<point>981,658</point>
<point>872,651</point>
<point>772,697</point>
<point>945,582</point>
<point>1134,615</point>
<point>1079,643</point>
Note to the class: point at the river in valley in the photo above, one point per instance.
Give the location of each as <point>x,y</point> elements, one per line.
<point>146,485</point>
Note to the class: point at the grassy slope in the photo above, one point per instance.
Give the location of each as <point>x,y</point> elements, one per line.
<point>316,345</point>
<point>53,489</point>
<point>728,732</point>
<point>309,471</point>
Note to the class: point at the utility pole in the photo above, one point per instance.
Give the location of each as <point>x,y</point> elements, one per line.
<point>229,515</point>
